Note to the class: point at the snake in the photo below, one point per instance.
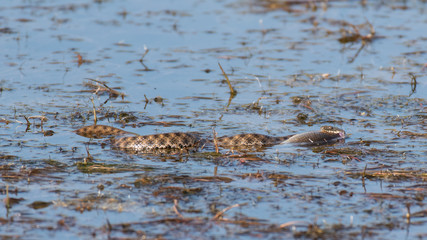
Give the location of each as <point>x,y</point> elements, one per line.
<point>185,140</point>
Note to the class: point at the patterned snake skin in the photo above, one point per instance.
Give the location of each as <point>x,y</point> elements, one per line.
<point>250,139</point>
<point>180,140</point>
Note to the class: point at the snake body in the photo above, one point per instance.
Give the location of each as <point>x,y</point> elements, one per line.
<point>181,140</point>
<point>250,139</point>
<point>177,140</point>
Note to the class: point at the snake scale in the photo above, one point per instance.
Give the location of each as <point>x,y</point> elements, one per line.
<point>182,140</point>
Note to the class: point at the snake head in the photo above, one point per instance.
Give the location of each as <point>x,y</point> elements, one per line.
<point>333,130</point>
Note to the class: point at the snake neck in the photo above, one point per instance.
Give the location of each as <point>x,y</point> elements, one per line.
<point>249,139</point>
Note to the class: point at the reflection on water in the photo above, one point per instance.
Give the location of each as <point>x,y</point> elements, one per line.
<point>150,68</point>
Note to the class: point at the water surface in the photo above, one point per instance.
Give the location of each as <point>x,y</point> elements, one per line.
<point>357,65</point>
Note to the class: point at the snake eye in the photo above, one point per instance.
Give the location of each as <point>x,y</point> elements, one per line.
<point>326,128</point>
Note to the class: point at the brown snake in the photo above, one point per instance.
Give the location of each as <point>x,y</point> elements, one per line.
<point>181,140</point>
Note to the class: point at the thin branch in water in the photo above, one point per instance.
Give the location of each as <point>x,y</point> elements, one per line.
<point>79,59</point>
<point>28,124</point>
<point>42,119</point>
<point>145,53</point>
<point>146,99</point>
<point>408,212</point>
<point>109,227</point>
<point>89,157</point>
<point>175,208</point>
<point>95,119</point>
<point>364,176</point>
<point>215,141</point>
<point>293,223</point>
<point>220,213</point>
<point>351,60</point>
<point>7,199</point>
<point>233,92</point>
<point>413,83</point>
<point>113,93</point>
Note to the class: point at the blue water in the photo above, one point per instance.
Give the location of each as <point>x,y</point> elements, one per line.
<point>271,56</point>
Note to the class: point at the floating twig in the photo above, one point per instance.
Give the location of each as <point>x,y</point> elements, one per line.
<point>220,213</point>
<point>355,36</point>
<point>89,157</point>
<point>408,213</point>
<point>175,208</point>
<point>112,93</point>
<point>233,92</point>
<point>146,99</point>
<point>145,53</point>
<point>215,140</point>
<point>364,176</point>
<point>42,119</point>
<point>109,227</point>
<point>351,60</point>
<point>95,119</point>
<point>7,199</point>
<point>28,124</point>
<point>413,83</point>
<point>293,223</point>
<point>80,59</point>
